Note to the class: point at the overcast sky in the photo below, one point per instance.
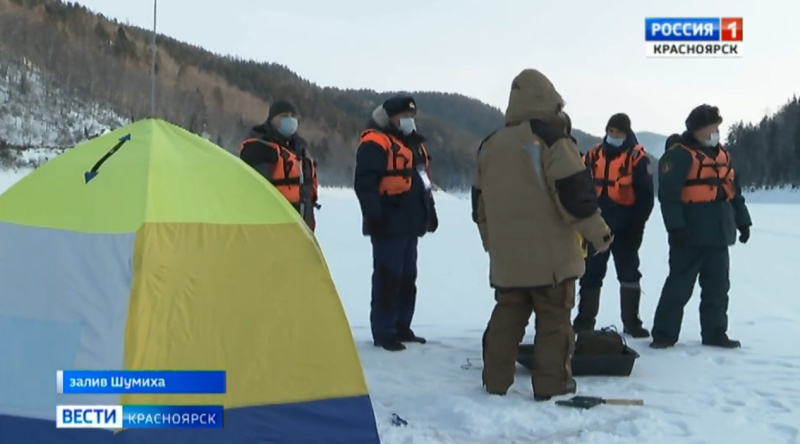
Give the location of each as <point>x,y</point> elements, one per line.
<point>593,51</point>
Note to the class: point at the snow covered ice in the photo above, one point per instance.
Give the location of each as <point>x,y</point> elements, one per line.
<point>692,394</point>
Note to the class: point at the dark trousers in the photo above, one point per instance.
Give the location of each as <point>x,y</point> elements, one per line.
<point>712,265</point>
<point>394,286</point>
<point>626,261</point>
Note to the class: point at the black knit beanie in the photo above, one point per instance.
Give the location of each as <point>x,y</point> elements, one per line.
<point>280,107</point>
<point>621,122</point>
<point>399,104</point>
<point>703,116</point>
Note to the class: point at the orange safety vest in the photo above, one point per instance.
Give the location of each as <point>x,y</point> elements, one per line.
<point>400,160</point>
<point>287,172</point>
<point>615,176</point>
<point>706,175</point>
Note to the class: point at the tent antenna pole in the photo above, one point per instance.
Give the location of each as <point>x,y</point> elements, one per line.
<point>153,65</point>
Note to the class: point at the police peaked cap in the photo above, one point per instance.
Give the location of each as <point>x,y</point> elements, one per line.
<point>620,121</point>
<point>400,104</point>
<point>703,116</point>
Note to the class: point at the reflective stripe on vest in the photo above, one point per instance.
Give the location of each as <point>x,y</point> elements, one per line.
<point>399,162</point>
<point>706,175</point>
<point>614,176</point>
<point>286,172</point>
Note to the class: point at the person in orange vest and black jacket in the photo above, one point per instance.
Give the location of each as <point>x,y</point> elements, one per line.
<point>275,151</point>
<point>703,207</point>
<point>393,185</point>
<point>623,179</point>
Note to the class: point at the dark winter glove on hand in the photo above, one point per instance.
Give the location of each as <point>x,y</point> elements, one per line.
<point>433,221</point>
<point>677,237</point>
<point>744,234</point>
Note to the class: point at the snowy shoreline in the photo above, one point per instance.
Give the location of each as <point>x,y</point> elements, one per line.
<point>31,157</point>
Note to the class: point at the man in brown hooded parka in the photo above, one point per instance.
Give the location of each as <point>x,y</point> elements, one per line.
<point>532,193</point>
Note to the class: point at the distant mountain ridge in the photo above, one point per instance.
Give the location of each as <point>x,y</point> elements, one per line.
<point>101,62</point>
<point>480,118</point>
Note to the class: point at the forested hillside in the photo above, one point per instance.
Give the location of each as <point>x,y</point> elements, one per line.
<point>104,66</point>
<point>105,63</point>
<point>767,154</point>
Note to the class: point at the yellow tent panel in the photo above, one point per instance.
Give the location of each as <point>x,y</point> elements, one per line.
<point>154,249</point>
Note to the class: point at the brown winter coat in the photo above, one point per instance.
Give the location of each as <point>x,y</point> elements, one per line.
<point>532,193</point>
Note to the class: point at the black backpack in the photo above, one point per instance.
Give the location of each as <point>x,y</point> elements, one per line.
<point>605,341</point>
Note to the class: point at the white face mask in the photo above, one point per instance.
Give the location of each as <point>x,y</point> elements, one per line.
<point>713,140</point>
<point>407,125</point>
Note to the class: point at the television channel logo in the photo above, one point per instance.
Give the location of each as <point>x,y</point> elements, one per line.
<point>89,417</point>
<point>710,37</point>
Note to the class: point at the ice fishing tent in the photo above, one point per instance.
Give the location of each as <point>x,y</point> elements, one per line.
<point>175,255</point>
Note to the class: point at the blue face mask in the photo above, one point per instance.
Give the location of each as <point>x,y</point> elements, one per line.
<point>713,140</point>
<point>614,142</point>
<point>407,125</point>
<point>288,126</point>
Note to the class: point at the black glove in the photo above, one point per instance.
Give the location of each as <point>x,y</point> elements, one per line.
<point>433,221</point>
<point>376,227</point>
<point>744,234</point>
<point>677,237</point>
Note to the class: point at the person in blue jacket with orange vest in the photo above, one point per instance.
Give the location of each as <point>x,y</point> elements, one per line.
<point>623,179</point>
<point>393,185</point>
<point>702,207</point>
<point>277,152</point>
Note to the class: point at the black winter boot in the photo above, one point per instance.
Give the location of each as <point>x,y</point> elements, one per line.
<point>410,336</point>
<point>629,298</point>
<point>393,346</point>
<point>724,342</point>
<point>660,344</point>
<point>588,306</point>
